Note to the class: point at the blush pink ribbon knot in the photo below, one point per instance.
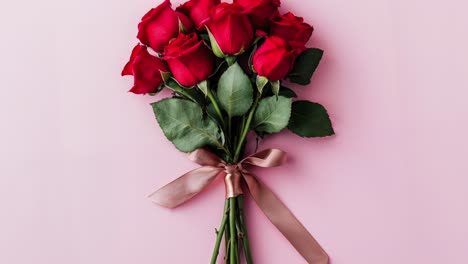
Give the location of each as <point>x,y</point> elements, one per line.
<point>193,182</point>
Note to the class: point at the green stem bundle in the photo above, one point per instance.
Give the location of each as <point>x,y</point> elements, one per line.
<point>219,233</point>
<point>234,229</point>
<point>233,224</point>
<point>245,237</point>
<point>245,130</point>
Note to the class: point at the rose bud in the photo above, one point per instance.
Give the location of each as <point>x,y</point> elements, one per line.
<point>291,28</point>
<point>189,59</point>
<point>160,25</point>
<point>231,28</point>
<point>261,12</point>
<point>275,58</point>
<point>146,70</point>
<point>198,11</point>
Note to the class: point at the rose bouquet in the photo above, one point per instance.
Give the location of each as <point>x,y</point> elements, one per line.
<point>225,64</point>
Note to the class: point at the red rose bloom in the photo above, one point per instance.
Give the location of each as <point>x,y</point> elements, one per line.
<point>160,25</point>
<point>146,70</point>
<point>190,61</point>
<point>198,10</point>
<point>292,28</point>
<point>231,28</point>
<point>261,12</point>
<point>275,58</point>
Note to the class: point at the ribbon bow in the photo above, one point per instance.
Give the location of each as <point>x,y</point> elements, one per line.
<point>190,184</point>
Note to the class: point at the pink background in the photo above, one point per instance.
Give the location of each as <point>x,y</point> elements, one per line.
<point>78,154</point>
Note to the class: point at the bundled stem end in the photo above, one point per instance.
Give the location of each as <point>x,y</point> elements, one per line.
<point>233,228</point>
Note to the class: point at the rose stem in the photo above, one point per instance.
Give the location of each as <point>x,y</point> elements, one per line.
<point>239,127</point>
<point>227,238</point>
<point>227,130</point>
<point>245,238</point>
<point>239,233</point>
<point>232,230</point>
<point>215,105</point>
<point>246,129</point>
<point>219,235</point>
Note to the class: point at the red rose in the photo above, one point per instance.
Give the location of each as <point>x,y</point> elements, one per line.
<point>189,59</point>
<point>275,58</point>
<point>291,28</point>
<point>261,12</point>
<point>198,10</point>
<point>160,25</point>
<point>231,28</point>
<point>146,70</point>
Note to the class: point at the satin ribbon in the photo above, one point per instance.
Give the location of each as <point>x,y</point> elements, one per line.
<point>190,184</point>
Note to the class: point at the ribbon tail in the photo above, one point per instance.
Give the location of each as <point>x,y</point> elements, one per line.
<point>185,187</point>
<point>286,222</point>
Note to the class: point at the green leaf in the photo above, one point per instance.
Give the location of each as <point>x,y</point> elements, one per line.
<point>183,123</point>
<point>286,92</point>
<point>305,66</point>
<point>272,114</point>
<point>204,86</point>
<point>211,111</point>
<point>214,45</point>
<point>275,87</point>
<point>235,92</point>
<point>310,119</point>
<point>261,82</point>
